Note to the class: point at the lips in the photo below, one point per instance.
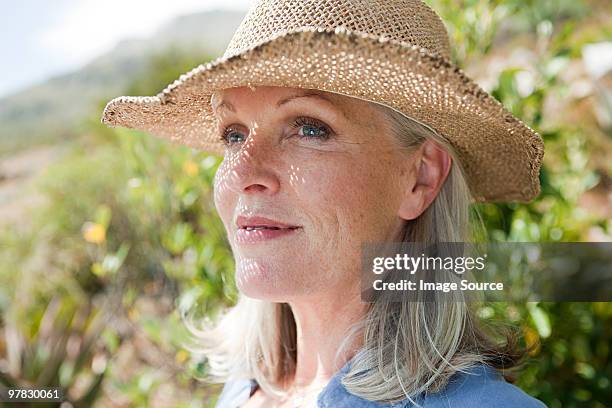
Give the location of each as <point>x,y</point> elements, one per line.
<point>262,227</point>
<point>256,230</point>
<point>257,223</point>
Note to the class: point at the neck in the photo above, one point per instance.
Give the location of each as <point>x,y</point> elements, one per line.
<point>322,324</point>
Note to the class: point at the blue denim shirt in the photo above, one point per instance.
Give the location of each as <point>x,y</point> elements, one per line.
<point>481,386</point>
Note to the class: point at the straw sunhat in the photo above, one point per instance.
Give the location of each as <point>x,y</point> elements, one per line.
<point>393,52</point>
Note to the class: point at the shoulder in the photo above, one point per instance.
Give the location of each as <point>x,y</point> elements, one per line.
<point>235,393</point>
<point>481,386</point>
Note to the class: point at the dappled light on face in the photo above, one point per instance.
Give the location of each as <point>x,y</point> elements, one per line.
<point>256,162</point>
<point>236,164</point>
<point>294,176</point>
<point>248,271</point>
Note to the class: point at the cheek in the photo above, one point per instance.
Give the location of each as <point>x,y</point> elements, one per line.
<point>222,195</point>
<point>354,194</point>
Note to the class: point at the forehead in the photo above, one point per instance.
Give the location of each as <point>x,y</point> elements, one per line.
<point>229,99</point>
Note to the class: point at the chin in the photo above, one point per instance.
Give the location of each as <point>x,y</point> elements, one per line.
<point>267,293</point>
<point>268,296</point>
<point>258,280</point>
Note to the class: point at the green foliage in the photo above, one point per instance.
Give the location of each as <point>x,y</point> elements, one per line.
<point>130,217</point>
<point>61,351</point>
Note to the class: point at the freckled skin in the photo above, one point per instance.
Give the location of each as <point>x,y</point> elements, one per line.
<point>342,191</point>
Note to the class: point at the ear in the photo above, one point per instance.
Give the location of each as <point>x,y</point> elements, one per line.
<point>428,168</point>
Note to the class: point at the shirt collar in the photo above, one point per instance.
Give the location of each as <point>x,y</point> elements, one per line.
<point>335,395</point>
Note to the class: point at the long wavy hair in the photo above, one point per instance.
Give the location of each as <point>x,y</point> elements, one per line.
<point>407,347</point>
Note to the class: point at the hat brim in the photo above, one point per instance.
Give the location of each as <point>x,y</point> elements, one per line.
<point>500,154</point>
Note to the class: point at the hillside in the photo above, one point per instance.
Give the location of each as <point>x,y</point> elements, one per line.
<point>51,110</point>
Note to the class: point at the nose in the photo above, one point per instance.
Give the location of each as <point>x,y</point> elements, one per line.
<point>253,168</point>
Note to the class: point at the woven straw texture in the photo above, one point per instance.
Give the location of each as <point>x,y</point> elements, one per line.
<point>392,52</point>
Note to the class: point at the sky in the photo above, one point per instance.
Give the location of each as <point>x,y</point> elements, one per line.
<point>42,38</point>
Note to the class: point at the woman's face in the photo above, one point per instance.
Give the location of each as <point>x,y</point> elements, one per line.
<point>307,177</point>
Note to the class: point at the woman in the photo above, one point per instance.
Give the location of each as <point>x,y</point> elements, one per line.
<point>342,123</point>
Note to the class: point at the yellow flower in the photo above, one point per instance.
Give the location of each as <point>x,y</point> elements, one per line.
<point>94,232</point>
<point>181,356</point>
<point>532,339</point>
<point>133,314</point>
<point>190,168</point>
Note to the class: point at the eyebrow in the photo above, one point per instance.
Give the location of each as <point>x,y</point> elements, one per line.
<point>306,94</point>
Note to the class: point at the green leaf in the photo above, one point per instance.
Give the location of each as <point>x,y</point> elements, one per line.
<point>540,319</point>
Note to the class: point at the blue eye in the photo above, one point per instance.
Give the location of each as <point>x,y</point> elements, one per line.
<point>312,129</point>
<point>230,136</point>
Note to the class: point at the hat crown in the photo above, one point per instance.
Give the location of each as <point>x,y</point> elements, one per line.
<point>410,21</point>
